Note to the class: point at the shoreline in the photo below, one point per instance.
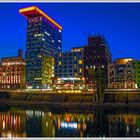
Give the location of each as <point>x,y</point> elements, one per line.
<point>69,104</point>
<point>114,100</point>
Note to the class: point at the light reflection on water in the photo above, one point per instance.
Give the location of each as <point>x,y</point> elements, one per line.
<point>23,122</point>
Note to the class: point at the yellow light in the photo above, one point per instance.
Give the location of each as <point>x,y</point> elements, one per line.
<point>27,9</point>
<point>59,63</point>
<point>60,55</point>
<point>80,61</point>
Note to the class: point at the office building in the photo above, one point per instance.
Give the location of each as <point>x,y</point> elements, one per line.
<point>69,64</point>
<point>43,41</point>
<point>12,72</point>
<point>97,55</point>
<point>69,68</point>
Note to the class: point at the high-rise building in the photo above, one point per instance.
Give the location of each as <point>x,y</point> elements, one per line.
<point>12,72</point>
<point>44,40</point>
<point>97,55</point>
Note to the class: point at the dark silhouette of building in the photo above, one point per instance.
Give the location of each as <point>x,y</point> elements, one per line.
<point>97,55</point>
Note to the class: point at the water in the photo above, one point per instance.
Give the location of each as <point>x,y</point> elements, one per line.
<point>64,122</point>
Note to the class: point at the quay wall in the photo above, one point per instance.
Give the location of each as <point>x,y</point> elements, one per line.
<point>48,97</point>
<point>109,97</point>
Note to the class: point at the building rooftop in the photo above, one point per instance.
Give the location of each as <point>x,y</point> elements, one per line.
<point>99,39</point>
<point>35,11</point>
<point>78,49</point>
<point>122,61</point>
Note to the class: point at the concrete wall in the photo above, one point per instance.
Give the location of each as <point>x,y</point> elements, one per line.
<point>51,97</point>
<point>122,97</point>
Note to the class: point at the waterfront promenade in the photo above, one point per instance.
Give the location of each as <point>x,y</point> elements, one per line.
<point>118,99</point>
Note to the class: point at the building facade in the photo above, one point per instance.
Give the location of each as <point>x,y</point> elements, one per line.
<point>136,65</point>
<point>121,74</point>
<point>12,72</point>
<point>69,64</point>
<point>44,40</point>
<point>96,58</point>
<point>69,68</point>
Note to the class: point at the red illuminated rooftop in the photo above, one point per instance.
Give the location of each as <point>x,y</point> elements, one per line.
<point>35,11</point>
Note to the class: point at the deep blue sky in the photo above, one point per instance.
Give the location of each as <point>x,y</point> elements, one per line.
<point>118,22</point>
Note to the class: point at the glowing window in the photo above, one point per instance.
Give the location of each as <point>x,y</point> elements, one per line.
<point>60,55</point>
<point>59,63</point>
<point>80,61</point>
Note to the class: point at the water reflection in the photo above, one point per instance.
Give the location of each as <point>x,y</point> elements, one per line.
<point>23,122</point>
<point>124,125</point>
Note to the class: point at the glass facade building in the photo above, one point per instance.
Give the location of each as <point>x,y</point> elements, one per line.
<point>69,64</point>
<point>69,71</point>
<point>44,40</point>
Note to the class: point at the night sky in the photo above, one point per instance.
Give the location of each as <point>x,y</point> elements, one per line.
<point>118,22</point>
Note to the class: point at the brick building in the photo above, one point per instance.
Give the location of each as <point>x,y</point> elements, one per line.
<point>12,72</point>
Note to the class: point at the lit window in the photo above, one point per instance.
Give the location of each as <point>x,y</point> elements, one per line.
<point>74,57</point>
<point>80,61</point>
<point>43,39</point>
<point>38,35</point>
<point>75,66</point>
<point>39,56</point>
<point>59,40</point>
<point>52,40</point>
<point>86,67</point>
<point>60,31</point>
<point>80,70</point>
<point>47,33</point>
<point>60,55</point>
<point>59,63</point>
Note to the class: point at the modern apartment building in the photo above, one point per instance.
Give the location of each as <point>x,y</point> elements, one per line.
<point>43,41</point>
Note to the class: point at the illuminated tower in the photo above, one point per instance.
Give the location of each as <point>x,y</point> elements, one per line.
<point>44,40</point>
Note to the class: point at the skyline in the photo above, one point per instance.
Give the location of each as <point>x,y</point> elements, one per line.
<point>75,34</point>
